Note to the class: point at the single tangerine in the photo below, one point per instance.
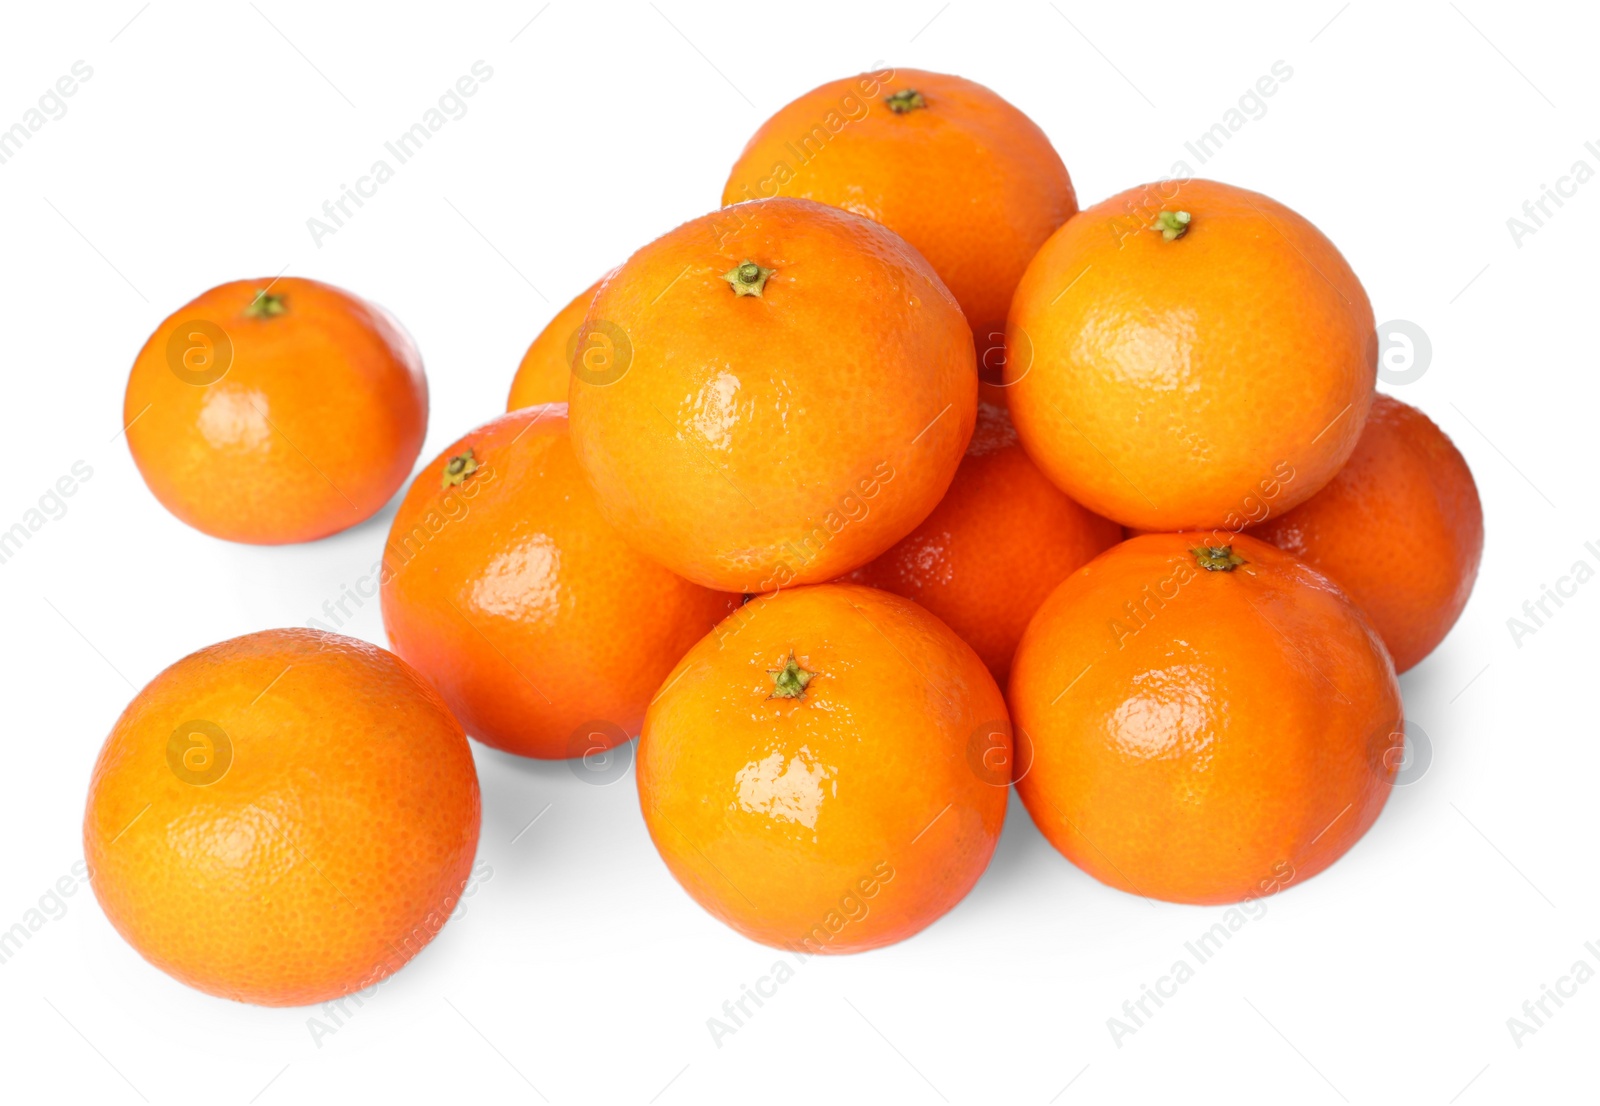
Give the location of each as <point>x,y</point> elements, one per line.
<point>1172,351</point>
<point>997,544</point>
<point>826,772</point>
<point>276,411</point>
<point>791,395</point>
<point>950,166</point>
<point>1400,529</point>
<point>544,630</point>
<point>1204,723</point>
<point>282,818</point>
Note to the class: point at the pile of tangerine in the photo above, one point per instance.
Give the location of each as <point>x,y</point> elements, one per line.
<point>753,501</point>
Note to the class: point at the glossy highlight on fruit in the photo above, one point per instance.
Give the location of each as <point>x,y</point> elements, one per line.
<point>276,411</point>
<point>282,818</point>
<point>544,630</point>
<point>797,390</point>
<point>1203,723</point>
<point>826,772</point>
<point>1180,349</point>
<point>1400,529</point>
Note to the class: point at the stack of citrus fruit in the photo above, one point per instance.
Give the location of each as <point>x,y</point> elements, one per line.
<point>790,495</point>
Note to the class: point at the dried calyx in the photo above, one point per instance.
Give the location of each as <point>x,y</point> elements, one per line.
<point>458,468</point>
<point>1217,558</point>
<point>907,99</point>
<point>265,305</point>
<point>747,278</point>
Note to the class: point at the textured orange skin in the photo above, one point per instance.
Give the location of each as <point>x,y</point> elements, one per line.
<point>1165,384</point>
<point>523,606</point>
<point>782,817</point>
<point>333,848</point>
<point>314,426</point>
<point>1400,529</point>
<point>757,442</point>
<point>968,180</point>
<point>998,543</point>
<point>546,370</point>
<point>1240,741</point>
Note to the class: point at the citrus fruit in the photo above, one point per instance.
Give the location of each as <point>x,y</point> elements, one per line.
<point>1204,724</point>
<point>957,171</point>
<point>1175,350</point>
<point>1000,541</point>
<point>282,818</point>
<point>276,411</point>
<point>826,772</point>
<point>790,395</point>
<point>544,631</point>
<point>1400,529</point>
<point>546,368</point>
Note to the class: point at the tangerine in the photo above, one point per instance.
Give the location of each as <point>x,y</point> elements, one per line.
<point>950,166</point>
<point>276,411</point>
<point>1400,529</point>
<point>826,771</point>
<point>1174,349</point>
<point>997,544</point>
<point>1204,724</point>
<point>544,630</point>
<point>791,395</point>
<point>282,818</point>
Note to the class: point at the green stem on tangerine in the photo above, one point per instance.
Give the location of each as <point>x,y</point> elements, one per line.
<point>789,682</point>
<point>265,305</point>
<point>1171,224</point>
<point>1217,558</point>
<point>747,278</point>
<point>458,468</point>
<point>907,99</point>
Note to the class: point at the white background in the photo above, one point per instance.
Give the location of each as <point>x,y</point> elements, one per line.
<point>207,136</point>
